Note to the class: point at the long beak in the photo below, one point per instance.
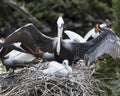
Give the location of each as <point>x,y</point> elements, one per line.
<point>60,30</point>
<point>96,28</point>
<point>103,29</point>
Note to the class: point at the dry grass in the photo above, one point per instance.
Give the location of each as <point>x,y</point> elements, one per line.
<point>31,82</point>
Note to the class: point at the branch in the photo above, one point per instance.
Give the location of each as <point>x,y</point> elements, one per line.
<point>25,13</point>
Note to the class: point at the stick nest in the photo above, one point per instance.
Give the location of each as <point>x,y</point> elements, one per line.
<point>32,82</point>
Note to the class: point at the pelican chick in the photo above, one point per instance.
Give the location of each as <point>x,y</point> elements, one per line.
<point>58,69</point>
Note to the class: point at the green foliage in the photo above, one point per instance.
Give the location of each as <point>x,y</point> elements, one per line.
<point>107,70</point>
<point>116,7</point>
<point>102,6</point>
<point>81,13</point>
<point>114,84</point>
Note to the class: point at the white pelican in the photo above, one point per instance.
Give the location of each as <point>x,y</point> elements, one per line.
<point>32,37</point>
<point>58,69</point>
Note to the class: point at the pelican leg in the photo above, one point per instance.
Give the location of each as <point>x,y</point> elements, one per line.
<point>73,65</point>
<point>86,59</point>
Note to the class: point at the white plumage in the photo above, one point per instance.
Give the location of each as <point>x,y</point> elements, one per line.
<point>57,69</point>
<point>92,32</point>
<point>16,57</point>
<point>60,22</point>
<point>76,37</point>
<point>2,41</point>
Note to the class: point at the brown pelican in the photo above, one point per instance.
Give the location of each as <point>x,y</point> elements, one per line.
<point>21,55</point>
<point>64,49</point>
<point>33,38</point>
<point>94,32</point>
<point>18,57</point>
<point>30,36</point>
<point>58,69</point>
<point>106,43</point>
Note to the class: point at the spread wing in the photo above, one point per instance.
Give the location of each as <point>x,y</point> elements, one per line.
<point>32,37</point>
<point>74,36</point>
<point>106,43</point>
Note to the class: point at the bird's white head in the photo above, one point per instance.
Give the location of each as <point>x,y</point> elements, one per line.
<point>66,66</point>
<point>65,62</point>
<point>60,22</point>
<point>2,40</point>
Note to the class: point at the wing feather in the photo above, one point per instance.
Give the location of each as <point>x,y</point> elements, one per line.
<point>110,44</point>
<point>32,37</point>
<point>74,36</point>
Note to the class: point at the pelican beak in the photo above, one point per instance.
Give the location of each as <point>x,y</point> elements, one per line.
<point>60,24</point>
<point>60,29</point>
<point>102,29</point>
<point>96,28</point>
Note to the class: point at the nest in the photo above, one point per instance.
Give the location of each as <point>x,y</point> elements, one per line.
<point>32,82</point>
